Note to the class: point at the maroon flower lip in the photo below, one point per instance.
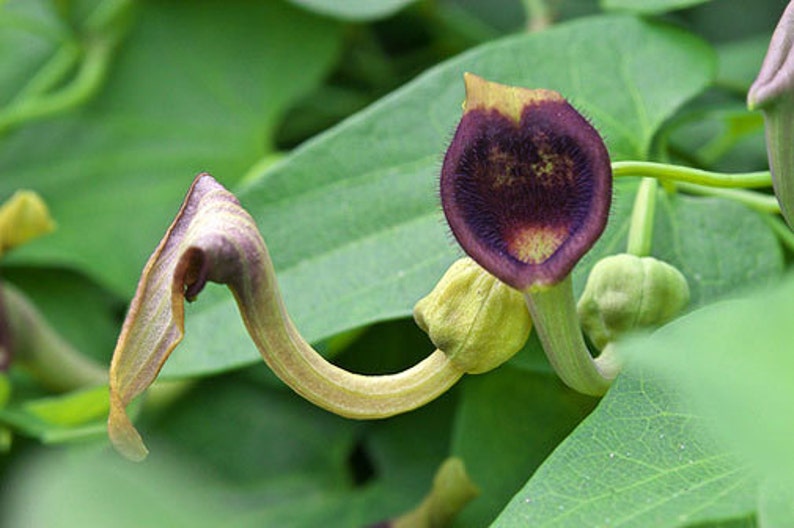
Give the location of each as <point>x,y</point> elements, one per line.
<point>526,183</point>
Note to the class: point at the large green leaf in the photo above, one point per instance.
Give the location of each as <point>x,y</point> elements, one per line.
<point>733,363</point>
<point>507,424</point>
<point>197,86</point>
<point>352,217</point>
<point>641,459</point>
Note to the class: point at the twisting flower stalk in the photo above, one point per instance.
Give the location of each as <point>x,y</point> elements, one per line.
<point>526,188</point>
<point>214,239</point>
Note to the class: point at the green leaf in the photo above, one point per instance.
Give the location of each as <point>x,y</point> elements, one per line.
<point>354,10</point>
<point>175,103</point>
<point>720,246</point>
<point>732,361</point>
<point>98,489</point>
<point>77,415</point>
<point>641,458</point>
<point>262,433</point>
<point>507,424</point>
<point>648,7</point>
<point>352,219</point>
<point>740,61</point>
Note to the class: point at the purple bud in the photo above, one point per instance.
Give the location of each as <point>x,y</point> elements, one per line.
<point>526,183</point>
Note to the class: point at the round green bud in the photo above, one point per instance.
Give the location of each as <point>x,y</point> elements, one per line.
<point>474,318</point>
<point>625,292</point>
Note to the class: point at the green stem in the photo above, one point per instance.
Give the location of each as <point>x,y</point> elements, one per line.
<point>87,81</point>
<point>452,490</point>
<point>539,15</point>
<point>554,318</point>
<point>760,202</point>
<point>37,346</point>
<point>641,227</point>
<point>51,73</point>
<point>783,232</point>
<point>675,173</point>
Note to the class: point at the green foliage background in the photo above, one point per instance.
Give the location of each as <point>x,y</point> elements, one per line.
<point>329,121</point>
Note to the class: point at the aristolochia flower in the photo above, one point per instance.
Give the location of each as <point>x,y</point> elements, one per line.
<point>526,183</point>
<point>773,94</point>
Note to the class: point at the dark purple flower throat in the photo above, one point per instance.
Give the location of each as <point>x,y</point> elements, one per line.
<point>526,183</point>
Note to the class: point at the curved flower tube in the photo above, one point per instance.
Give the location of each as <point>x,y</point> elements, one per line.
<point>214,239</point>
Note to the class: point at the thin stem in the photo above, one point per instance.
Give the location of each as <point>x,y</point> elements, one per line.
<point>783,232</point>
<point>641,228</point>
<point>539,15</point>
<point>87,81</point>
<point>760,202</point>
<point>51,73</point>
<point>554,318</point>
<point>676,173</point>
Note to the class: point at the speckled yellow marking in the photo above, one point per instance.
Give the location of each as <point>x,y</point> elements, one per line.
<point>535,244</point>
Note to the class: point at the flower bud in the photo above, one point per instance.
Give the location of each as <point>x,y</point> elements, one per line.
<point>773,94</point>
<point>625,292</point>
<point>526,183</point>
<point>22,218</point>
<point>477,320</point>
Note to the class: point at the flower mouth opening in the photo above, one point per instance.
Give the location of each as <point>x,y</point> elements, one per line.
<point>526,194</point>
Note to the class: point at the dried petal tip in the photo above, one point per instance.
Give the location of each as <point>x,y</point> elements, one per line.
<point>526,183</point>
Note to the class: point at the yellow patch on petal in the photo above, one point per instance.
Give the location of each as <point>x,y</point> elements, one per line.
<point>535,244</point>
<point>509,101</point>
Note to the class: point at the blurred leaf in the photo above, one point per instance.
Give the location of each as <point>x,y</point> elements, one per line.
<point>73,409</point>
<point>648,7</point>
<point>507,424</point>
<point>732,363</point>
<point>725,138</point>
<point>351,218</point>
<point>198,86</point>
<point>247,434</point>
<point>92,489</point>
<point>775,503</point>
<point>77,415</point>
<point>641,459</point>
<point>740,62</point>
<point>354,10</point>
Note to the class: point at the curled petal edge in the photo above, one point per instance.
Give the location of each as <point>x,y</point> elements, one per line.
<point>214,239</point>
